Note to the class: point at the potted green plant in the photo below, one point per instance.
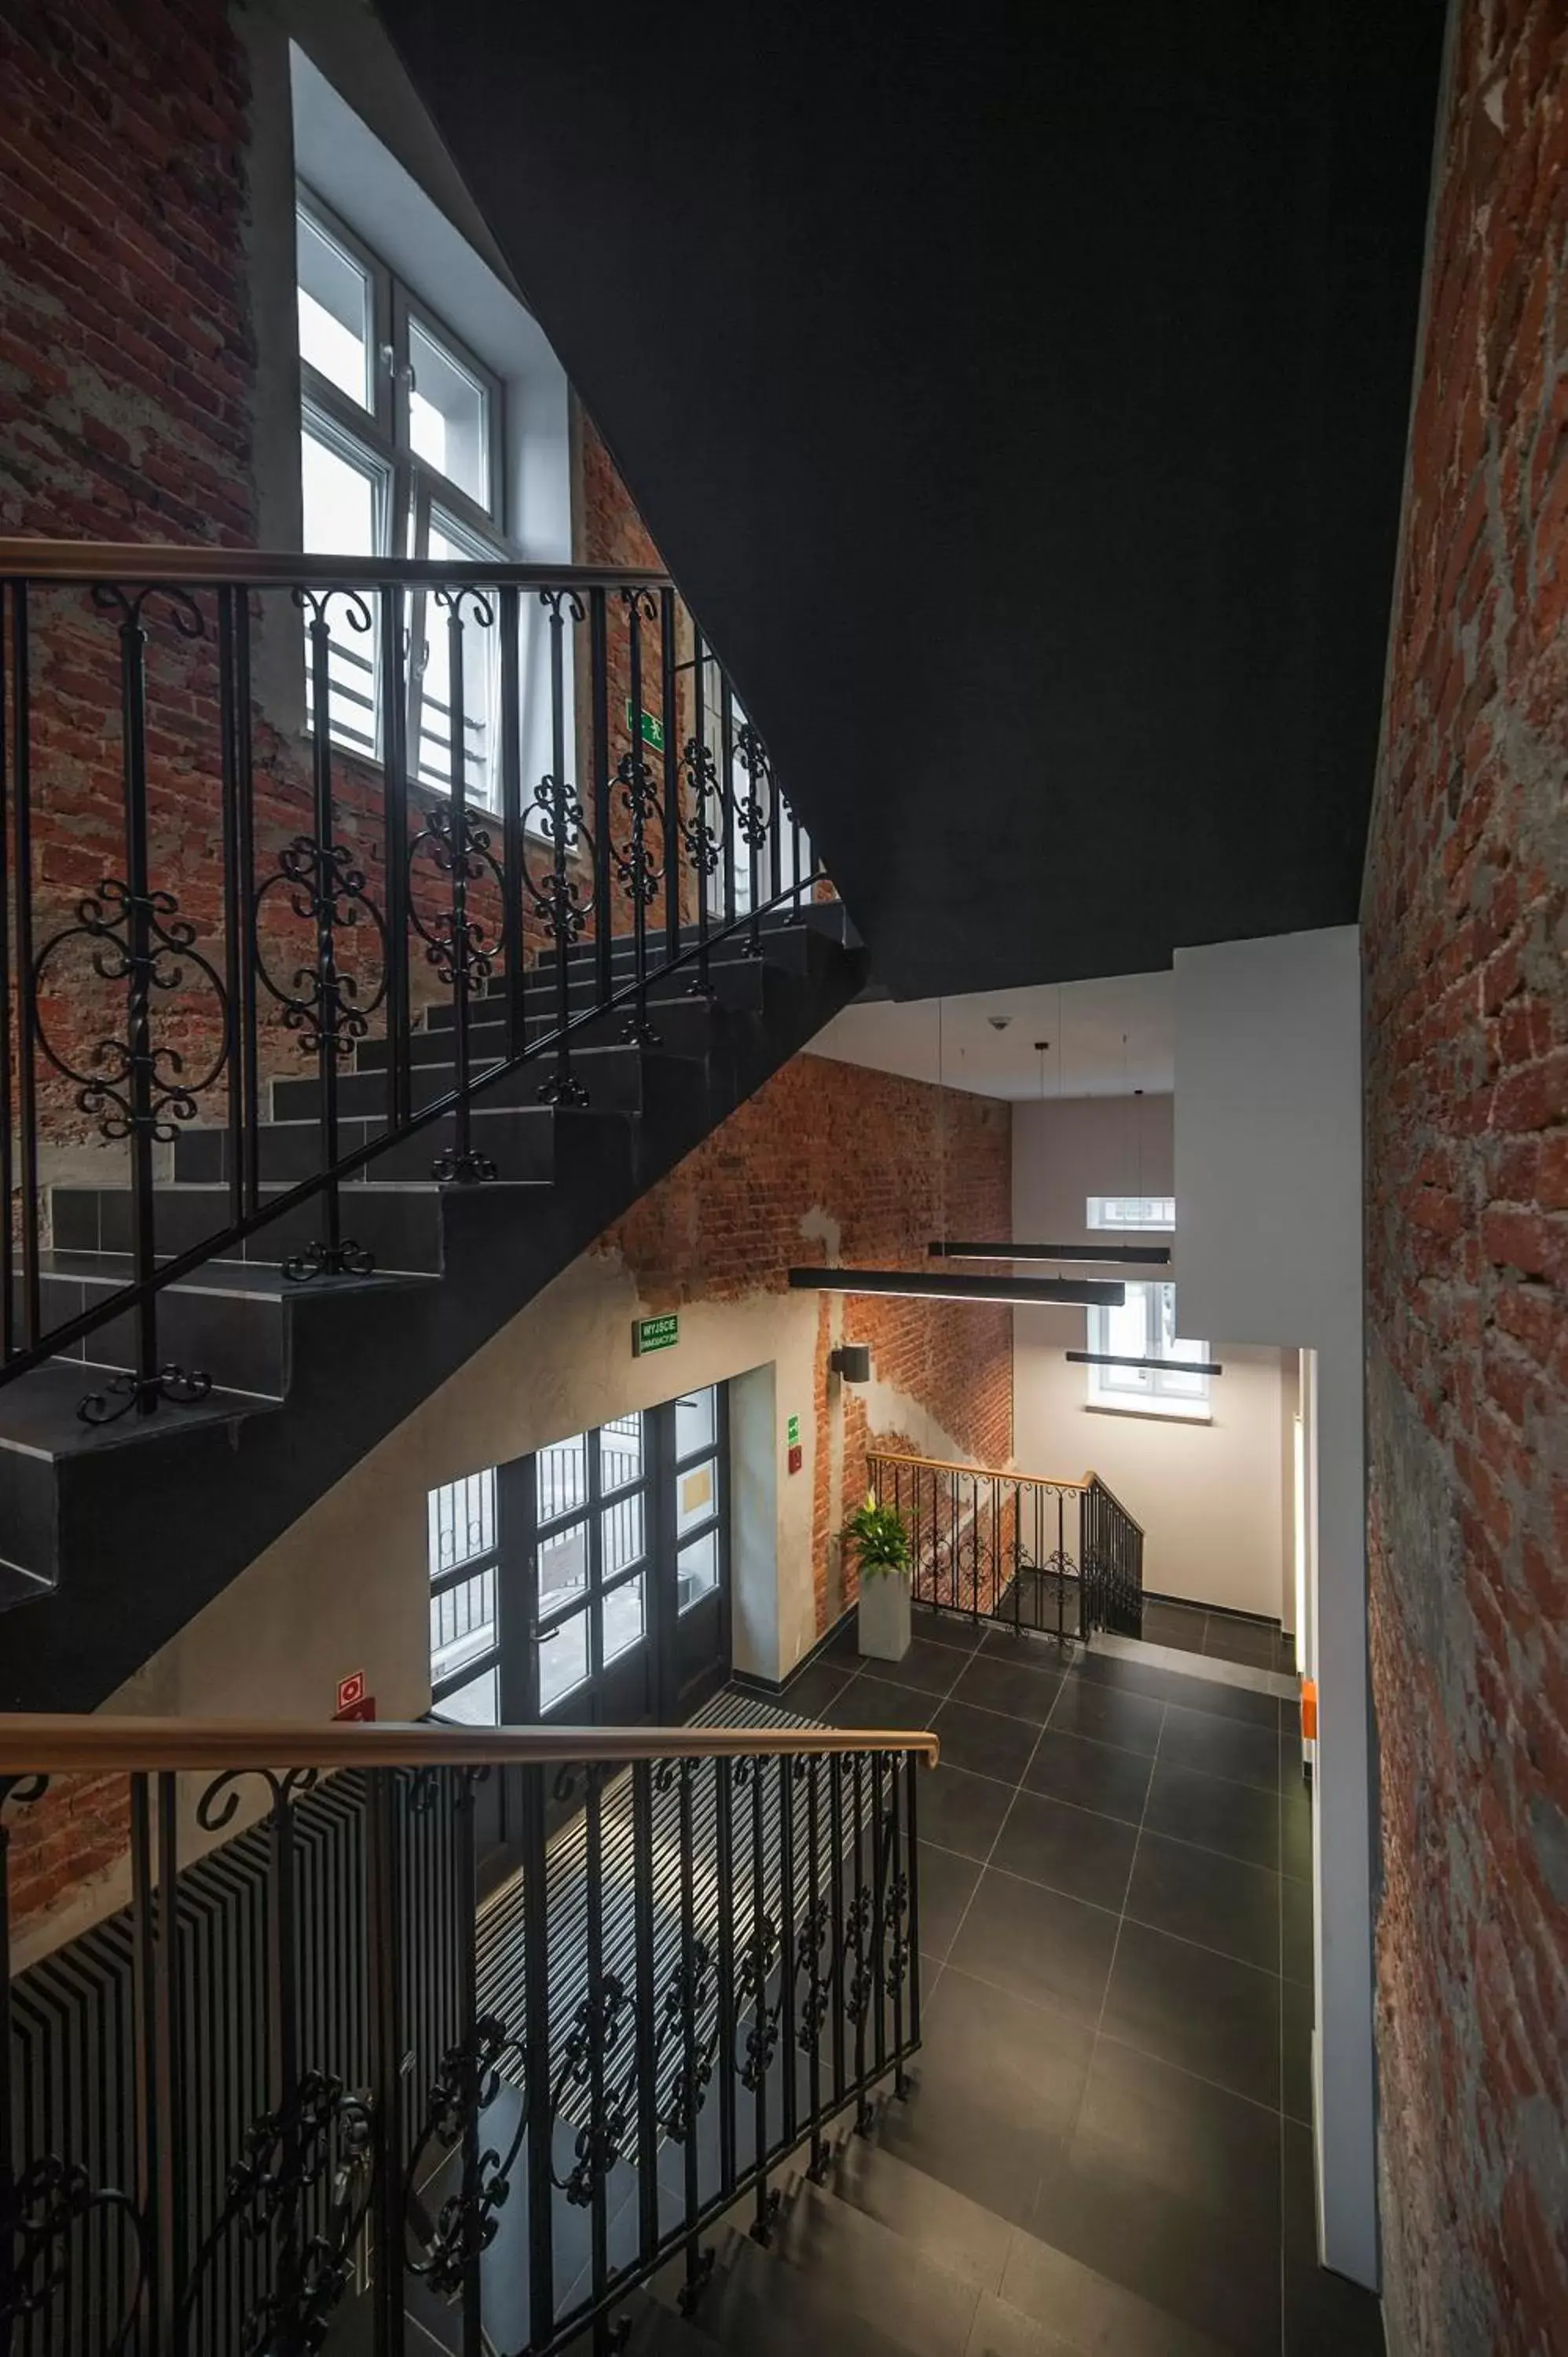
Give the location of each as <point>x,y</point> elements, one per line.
<point>879,1538</point>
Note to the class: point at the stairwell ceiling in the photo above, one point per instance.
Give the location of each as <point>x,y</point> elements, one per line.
<point>1018,393</point>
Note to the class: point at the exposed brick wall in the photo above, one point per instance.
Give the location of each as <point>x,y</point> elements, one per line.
<point>1466,927</point>
<point>880,1162</point>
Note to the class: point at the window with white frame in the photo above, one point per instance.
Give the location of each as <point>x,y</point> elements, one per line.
<point>465,1617</point>
<point>1157,1212</point>
<point>1144,1328</point>
<point>401,454</point>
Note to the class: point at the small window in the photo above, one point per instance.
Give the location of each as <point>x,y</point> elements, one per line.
<point>337,312</point>
<point>448,415</point>
<point>1144,1328</point>
<point>1156,1211</point>
<point>465,1601</point>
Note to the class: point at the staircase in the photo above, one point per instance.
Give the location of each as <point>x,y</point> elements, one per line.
<point>307,1220</point>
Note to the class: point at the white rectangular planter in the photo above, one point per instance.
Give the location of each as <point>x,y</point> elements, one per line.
<point>884,1616</point>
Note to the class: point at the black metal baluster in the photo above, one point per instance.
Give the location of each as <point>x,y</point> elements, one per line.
<point>699,2264</point>
<point>599,708</point>
<point>463,1789</point>
<point>598,2164</point>
<point>723,1812</point>
<point>760,2041</point>
<point>726,792</point>
<point>383,1916</point>
<point>536,1984</point>
<point>26,979</point>
<point>168,2061</point>
<point>912,1777</point>
<point>671,701</point>
<point>1061,1570</point>
<point>816,1909</point>
<point>860,1915</point>
<point>513,939</point>
<point>701,843</point>
<point>235,909</point>
<point>559,904</point>
<point>900,1765</point>
<point>7,1247</point>
<point>394,691</point>
<point>461,1164</point>
<point>791,1771</point>
<point>879,1915</point>
<point>245,892</point>
<point>152,2189</point>
<point>645,2025</point>
<point>637,870</point>
<point>329,1254</point>
<point>837,1930</point>
<point>955,1537</point>
<point>774,834</point>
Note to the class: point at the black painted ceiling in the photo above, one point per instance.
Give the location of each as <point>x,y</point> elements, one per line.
<point>1019,395</point>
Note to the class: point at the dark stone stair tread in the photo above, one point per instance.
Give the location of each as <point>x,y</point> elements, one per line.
<point>38,1414</point>
<point>777,2311</point>
<point>874,2273</point>
<point>231,1279</point>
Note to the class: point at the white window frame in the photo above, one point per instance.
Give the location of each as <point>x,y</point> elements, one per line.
<point>1151,1214</point>
<point>1149,1391</point>
<point>378,439</point>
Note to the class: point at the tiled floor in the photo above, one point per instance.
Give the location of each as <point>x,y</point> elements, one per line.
<point>1223,1636</point>
<point>1115,1918</point>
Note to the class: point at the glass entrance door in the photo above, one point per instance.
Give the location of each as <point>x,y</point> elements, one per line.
<point>592,1661</point>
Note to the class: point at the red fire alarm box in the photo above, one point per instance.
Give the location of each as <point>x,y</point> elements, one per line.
<point>353,1702</point>
<point>796,1458</point>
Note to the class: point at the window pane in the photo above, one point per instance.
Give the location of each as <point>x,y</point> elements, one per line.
<point>342,510</point>
<point>696,1495</point>
<point>562,1478</point>
<point>696,1421</point>
<point>1131,1212</point>
<point>481,661</point>
<point>697,1570</point>
<point>334,313</point>
<point>448,415</point>
<point>476,1705</point>
<point>620,1534</point>
<point>620,1452</point>
<point>462,1624</point>
<point>564,1659</point>
<point>462,1521</point>
<point>562,1568</point>
<point>622,1621</point>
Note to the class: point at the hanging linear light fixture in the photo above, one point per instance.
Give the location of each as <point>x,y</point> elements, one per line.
<point>1155,1366</point>
<point>1049,1291</point>
<point>1146,1255</point>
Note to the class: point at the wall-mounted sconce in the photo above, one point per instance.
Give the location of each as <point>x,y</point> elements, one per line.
<point>851,1363</point>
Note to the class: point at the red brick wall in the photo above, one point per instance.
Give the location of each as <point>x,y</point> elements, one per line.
<point>1467,989</point>
<point>885,1160</point>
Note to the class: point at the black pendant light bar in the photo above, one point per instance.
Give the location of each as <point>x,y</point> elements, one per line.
<point>1154,1366</point>
<point>1051,1291</point>
<point>1150,1256</point>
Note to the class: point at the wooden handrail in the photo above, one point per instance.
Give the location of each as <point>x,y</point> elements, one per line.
<point>980,1472</point>
<point>49,1743</point>
<point>86,561</point>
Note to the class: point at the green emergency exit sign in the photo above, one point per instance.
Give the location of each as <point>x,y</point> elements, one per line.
<point>792,1432</point>
<point>652,728</point>
<point>655,1334</point>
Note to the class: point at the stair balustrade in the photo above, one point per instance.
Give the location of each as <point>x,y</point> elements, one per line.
<point>1063,1558</point>
<point>316,869</point>
<point>316,2087</point>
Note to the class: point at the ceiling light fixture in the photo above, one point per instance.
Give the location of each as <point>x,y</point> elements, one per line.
<point>1050,1292</point>
<point>1156,1366</point>
<point>1150,1255</point>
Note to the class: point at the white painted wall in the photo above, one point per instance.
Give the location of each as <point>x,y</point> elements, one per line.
<point>1210,1496</point>
<point>1268,1183</point>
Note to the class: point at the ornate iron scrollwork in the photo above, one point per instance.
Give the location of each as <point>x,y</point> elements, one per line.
<point>751,1988</point>
<point>324,2132</point>
<point>180,1386</point>
<point>48,2201</point>
<point>465,2087</point>
<point>560,898</point>
<point>601,2138</point>
<point>751,811</point>
<point>688,2086</point>
<point>815,1976</point>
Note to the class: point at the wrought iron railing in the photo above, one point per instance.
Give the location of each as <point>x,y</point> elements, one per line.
<point>216,873</point>
<point>307,2073</point>
<point>1062,1557</point>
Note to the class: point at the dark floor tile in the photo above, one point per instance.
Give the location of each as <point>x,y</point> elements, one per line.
<point>945,2225</point>
<point>1221,1746</point>
<point>1037,1945</point>
<point>946,1887</point>
<point>945,1629</point>
<point>1202,2012</point>
<point>1251,1706</point>
<point>997,2087</point>
<point>1295,2058</point>
<point>1323,2312</point>
<point>854,2265</point>
<point>1008,1644</point>
<point>869,1702</point>
<point>932,1667</point>
<point>844,1645</point>
<point>985,1742</point>
<point>1295,1936</point>
<point>1215,1814</point>
<point>1090,1775</point>
<point>1129,1674</point>
<point>1107,1714</point>
<point>810,1694</point>
<point>1199,1895</point>
<point>1002,2330</point>
<point>992,1684</point>
<point>1172,2187</point>
<point>1254,1642</point>
<point>1295,1818</point>
<point>961,1811</point>
<point>1181,1625</point>
<point>1069,1849</point>
<point>1090,2307</point>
